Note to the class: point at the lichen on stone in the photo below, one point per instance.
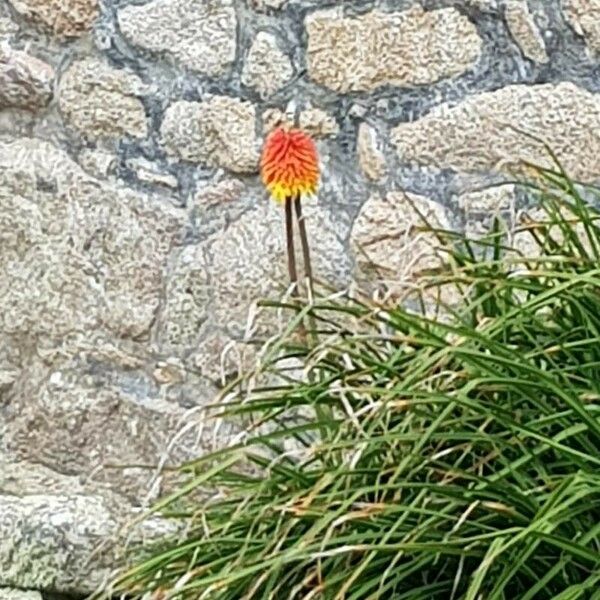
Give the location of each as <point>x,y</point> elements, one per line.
<point>409,48</point>
<point>266,68</point>
<point>496,131</point>
<point>220,131</point>
<point>64,18</point>
<point>25,81</point>
<point>523,28</point>
<point>584,17</point>
<point>199,35</point>
<point>102,102</point>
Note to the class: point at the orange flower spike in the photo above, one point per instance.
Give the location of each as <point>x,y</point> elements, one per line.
<point>289,164</point>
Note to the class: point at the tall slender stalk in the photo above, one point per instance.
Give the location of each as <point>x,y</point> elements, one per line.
<point>289,232</point>
<point>305,246</point>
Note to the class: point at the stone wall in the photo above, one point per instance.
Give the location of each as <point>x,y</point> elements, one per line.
<point>135,235</point>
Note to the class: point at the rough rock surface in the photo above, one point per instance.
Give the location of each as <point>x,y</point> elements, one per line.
<point>370,156</point>
<point>147,172</point>
<point>218,132</point>
<point>523,28</point>
<point>37,549</point>
<point>314,121</point>
<point>61,542</point>
<point>525,238</point>
<point>8,27</point>
<point>488,200</point>
<point>79,258</point>
<point>65,18</point>
<point>95,252</point>
<point>318,123</point>
<point>491,131</point>
<point>219,193</point>
<point>218,357</point>
<point>25,81</point>
<point>102,102</point>
<point>265,4</point>
<point>198,34</point>
<point>267,67</point>
<point>410,48</point>
<point>98,163</point>
<point>63,424</point>
<point>584,17</point>
<point>12,594</point>
<point>479,207</point>
<point>390,247</point>
<point>483,4</point>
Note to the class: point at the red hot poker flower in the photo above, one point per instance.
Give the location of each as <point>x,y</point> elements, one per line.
<point>289,164</point>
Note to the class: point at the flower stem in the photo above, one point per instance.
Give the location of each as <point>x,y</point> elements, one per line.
<point>305,246</point>
<point>289,231</point>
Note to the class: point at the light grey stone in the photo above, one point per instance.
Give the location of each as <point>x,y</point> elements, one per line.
<point>218,357</point>
<point>97,347</point>
<point>524,30</point>
<point>584,17</point>
<point>267,68</point>
<point>314,121</point>
<point>147,172</point>
<point>102,102</point>
<point>12,594</point>
<point>392,248</point>
<point>8,28</point>
<point>318,123</point>
<point>78,254</point>
<point>479,207</point>
<point>532,225</point>
<point>64,18</point>
<point>488,200</point>
<point>483,4</point>
<point>98,163</point>
<point>169,371</point>
<point>220,193</point>
<point>491,131</point>
<point>46,539</point>
<point>253,250</point>
<point>188,297</point>
<point>370,155</point>
<point>198,34</point>
<point>66,543</point>
<point>263,4</point>
<point>218,132</point>
<point>409,48</point>
<point>11,355</point>
<point>25,81</point>
<point>78,423</point>
<point>7,378</point>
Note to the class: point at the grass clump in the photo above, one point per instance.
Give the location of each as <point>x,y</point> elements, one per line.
<point>409,457</point>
